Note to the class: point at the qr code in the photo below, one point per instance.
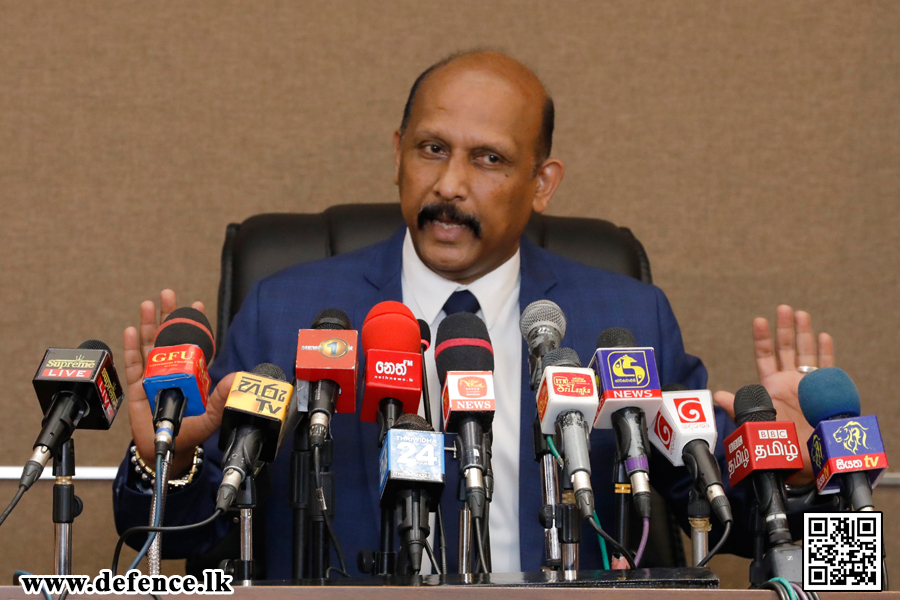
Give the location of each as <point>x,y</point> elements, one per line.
<point>842,551</point>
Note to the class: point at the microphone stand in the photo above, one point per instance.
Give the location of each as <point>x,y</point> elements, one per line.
<point>321,544</point>
<point>154,554</point>
<point>549,497</point>
<point>465,530</point>
<point>488,440</point>
<point>245,501</point>
<point>569,524</point>
<point>698,517</point>
<point>300,480</point>
<point>66,506</point>
<point>623,501</point>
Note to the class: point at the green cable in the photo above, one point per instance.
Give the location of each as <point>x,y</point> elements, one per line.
<point>787,587</point>
<point>603,552</point>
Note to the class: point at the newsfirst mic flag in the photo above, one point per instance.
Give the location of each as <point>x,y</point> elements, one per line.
<point>845,446</point>
<point>626,377</point>
<point>92,371</point>
<point>684,416</point>
<point>182,367</point>
<point>762,446</point>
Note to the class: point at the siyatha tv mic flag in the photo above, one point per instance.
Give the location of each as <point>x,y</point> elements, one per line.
<point>762,446</point>
<point>846,446</point>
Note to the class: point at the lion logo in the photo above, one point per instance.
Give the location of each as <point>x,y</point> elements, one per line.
<point>817,456</point>
<point>852,435</point>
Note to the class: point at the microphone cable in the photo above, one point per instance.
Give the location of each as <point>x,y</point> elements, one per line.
<point>718,545</point>
<point>604,553</point>
<point>320,495</point>
<point>479,542</point>
<point>645,535</point>
<point>157,520</point>
<point>147,529</point>
<point>12,504</point>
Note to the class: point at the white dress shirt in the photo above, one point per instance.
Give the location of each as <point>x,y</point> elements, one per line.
<point>425,293</point>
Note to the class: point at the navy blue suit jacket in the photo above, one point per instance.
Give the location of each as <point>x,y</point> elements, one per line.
<point>265,330</point>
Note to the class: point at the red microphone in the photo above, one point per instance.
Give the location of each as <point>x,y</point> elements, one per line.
<point>391,342</point>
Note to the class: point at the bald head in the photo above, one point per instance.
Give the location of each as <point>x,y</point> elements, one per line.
<point>487,65</point>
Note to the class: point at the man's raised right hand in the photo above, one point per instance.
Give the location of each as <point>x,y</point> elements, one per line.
<point>194,430</point>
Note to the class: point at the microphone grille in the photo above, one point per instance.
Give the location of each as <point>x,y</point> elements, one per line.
<point>828,393</point>
<point>94,345</point>
<point>752,403</point>
<point>269,370</point>
<point>412,421</point>
<point>331,318</point>
<point>187,325</point>
<point>561,357</point>
<point>674,387</point>
<point>542,312</point>
<point>616,337</point>
<point>425,333</point>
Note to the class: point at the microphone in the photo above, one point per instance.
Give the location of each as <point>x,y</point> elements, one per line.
<point>846,450</point>
<point>567,395</point>
<point>762,448</point>
<point>391,341</point>
<point>176,380</point>
<point>543,325</point>
<point>465,363</point>
<point>685,433</point>
<point>326,356</point>
<point>258,412</point>
<point>78,388</point>
<point>411,479</point>
<point>629,395</point>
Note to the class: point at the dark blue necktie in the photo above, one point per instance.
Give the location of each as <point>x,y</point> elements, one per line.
<point>461,301</point>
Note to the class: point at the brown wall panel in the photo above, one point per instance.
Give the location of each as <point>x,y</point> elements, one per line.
<point>754,147</point>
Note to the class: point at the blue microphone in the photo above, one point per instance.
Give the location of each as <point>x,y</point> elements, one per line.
<point>846,449</point>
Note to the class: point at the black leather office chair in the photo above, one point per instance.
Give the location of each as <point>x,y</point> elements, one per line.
<point>267,243</point>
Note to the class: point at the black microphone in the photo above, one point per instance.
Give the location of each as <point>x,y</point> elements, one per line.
<point>78,388</point>
<point>630,423</point>
<point>414,500</point>
<point>752,403</point>
<point>687,422</point>
<point>463,345</point>
<point>543,325</point>
<point>323,392</point>
<point>260,408</point>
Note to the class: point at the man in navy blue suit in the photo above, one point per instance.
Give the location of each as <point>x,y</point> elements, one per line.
<point>472,162</point>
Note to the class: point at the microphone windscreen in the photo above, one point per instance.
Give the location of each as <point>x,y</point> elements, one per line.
<point>331,318</point>
<point>462,344</point>
<point>187,326</point>
<point>827,394</point>
<point>674,387</point>
<point>269,370</point>
<point>94,345</point>
<point>413,422</point>
<point>616,337</point>
<point>561,357</point>
<point>542,313</point>
<point>425,334</point>
<point>752,403</point>
<point>391,326</point>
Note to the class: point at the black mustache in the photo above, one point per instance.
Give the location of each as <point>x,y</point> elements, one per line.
<point>432,212</point>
